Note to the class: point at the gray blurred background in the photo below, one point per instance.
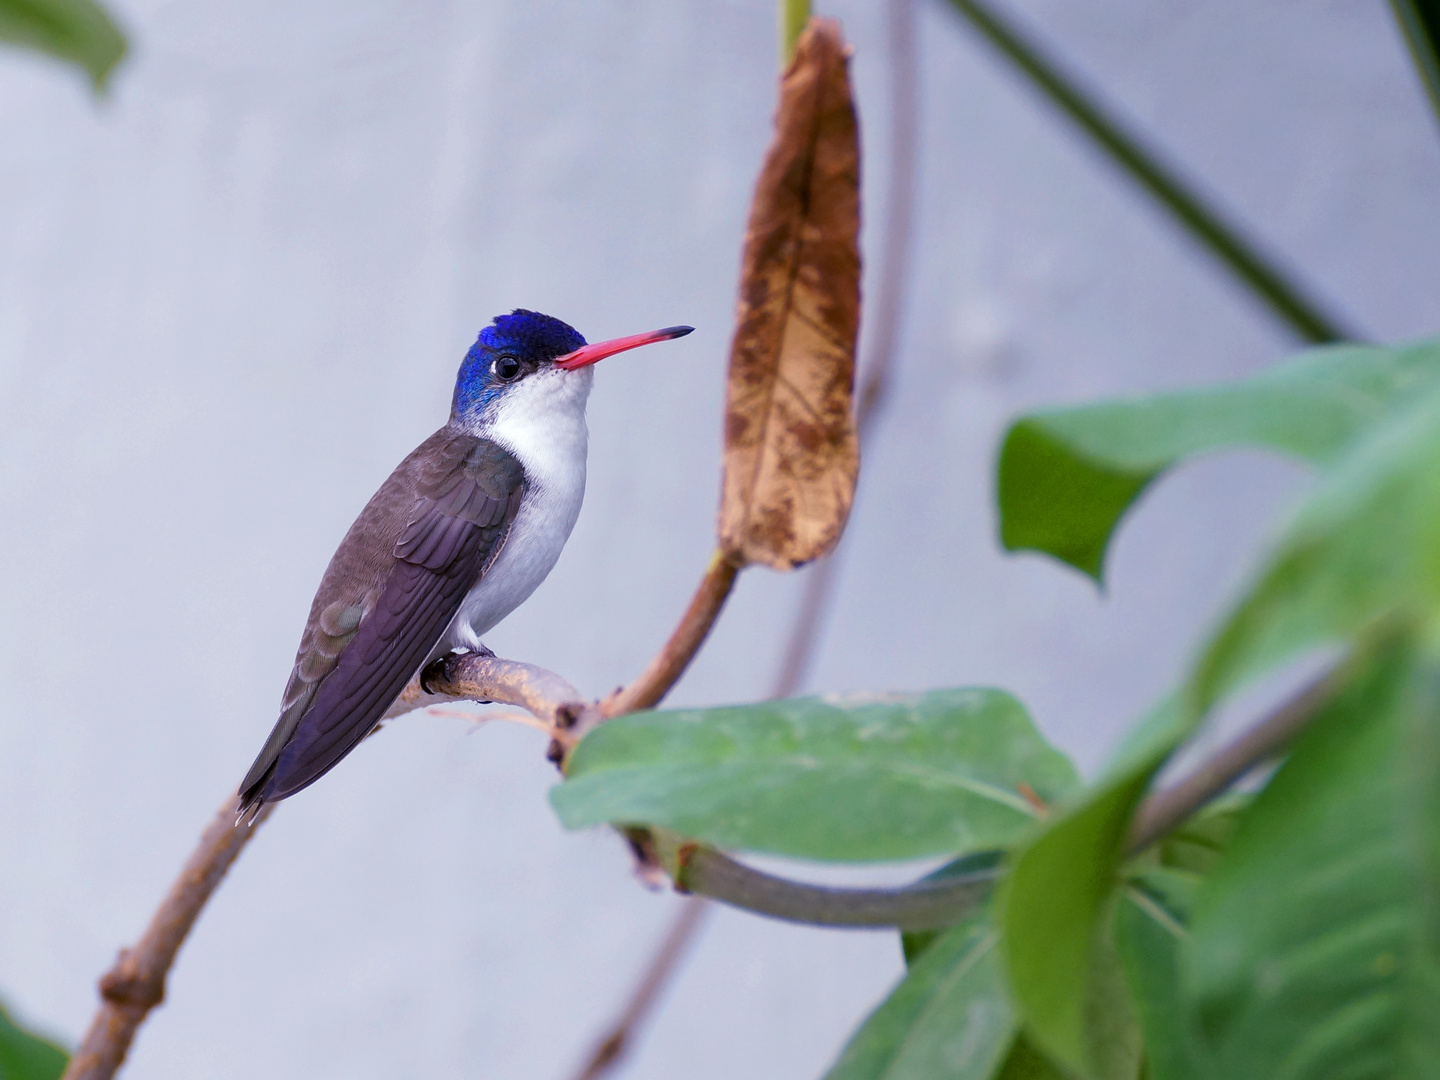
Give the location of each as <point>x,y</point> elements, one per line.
<point>234,295</point>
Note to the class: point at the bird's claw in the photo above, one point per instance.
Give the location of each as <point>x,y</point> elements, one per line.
<point>440,670</point>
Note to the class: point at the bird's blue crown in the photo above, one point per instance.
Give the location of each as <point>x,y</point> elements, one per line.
<point>527,335</point>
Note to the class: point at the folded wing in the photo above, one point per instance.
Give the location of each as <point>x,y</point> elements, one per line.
<point>368,634</point>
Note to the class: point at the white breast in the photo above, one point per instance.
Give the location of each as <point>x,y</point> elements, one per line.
<point>541,420</point>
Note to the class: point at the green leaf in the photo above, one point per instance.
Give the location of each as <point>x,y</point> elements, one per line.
<point>854,777</point>
<point>1316,941</point>
<point>1024,1062</point>
<point>1150,936</point>
<point>24,1056</point>
<point>1055,905</point>
<point>948,1018</point>
<point>1054,908</point>
<point>1363,550</point>
<point>1066,476</point>
<point>79,31</point>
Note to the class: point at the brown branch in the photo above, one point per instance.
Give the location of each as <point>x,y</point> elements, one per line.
<point>136,984</point>
<point>675,656</point>
<point>476,677</point>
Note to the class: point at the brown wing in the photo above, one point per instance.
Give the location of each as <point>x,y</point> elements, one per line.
<point>392,588</point>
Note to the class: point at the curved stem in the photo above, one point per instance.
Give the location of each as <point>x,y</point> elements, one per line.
<point>925,905</point>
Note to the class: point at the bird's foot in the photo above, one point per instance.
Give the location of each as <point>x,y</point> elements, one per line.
<point>441,670</point>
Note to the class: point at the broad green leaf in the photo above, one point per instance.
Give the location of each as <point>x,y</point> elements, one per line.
<point>1066,476</point>
<point>79,31</point>
<point>846,777</point>
<point>1364,549</point>
<point>1149,934</point>
<point>1316,941</point>
<point>948,1018</point>
<point>24,1056</point>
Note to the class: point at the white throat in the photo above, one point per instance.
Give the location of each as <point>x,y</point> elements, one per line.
<point>541,420</point>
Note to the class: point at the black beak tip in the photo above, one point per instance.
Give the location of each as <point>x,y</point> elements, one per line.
<point>672,332</point>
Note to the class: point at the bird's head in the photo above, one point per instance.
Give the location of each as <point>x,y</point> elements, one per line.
<point>535,363</point>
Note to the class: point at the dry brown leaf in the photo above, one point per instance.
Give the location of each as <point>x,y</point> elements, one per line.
<point>791,453</point>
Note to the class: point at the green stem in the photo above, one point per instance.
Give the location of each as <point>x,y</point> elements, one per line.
<point>1420,22</point>
<point>925,905</point>
<point>1284,296</point>
<point>794,14</point>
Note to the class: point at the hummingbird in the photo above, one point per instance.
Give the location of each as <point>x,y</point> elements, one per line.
<point>460,535</point>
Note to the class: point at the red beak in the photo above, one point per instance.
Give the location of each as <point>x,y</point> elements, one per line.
<point>589,354</point>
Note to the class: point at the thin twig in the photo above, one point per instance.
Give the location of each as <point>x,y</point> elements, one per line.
<point>136,984</point>
<point>523,719</point>
<point>657,973</point>
<point>1283,294</point>
<point>675,656</point>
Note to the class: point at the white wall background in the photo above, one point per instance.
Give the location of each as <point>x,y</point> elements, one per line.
<point>234,295</point>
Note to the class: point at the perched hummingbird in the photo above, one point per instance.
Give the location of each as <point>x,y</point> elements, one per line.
<point>458,537</point>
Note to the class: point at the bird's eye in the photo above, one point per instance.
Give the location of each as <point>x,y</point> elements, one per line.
<point>507,368</point>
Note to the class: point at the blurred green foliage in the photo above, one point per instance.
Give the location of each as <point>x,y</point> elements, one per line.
<point>80,32</point>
